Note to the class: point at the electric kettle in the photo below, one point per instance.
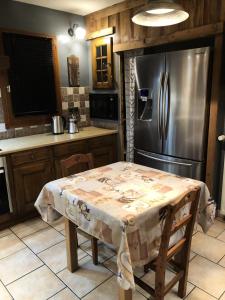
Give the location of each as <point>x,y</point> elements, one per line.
<point>58,124</point>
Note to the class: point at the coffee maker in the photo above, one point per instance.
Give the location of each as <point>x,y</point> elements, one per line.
<point>73,120</point>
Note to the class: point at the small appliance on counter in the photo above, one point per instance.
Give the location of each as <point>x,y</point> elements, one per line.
<point>73,120</point>
<point>58,124</point>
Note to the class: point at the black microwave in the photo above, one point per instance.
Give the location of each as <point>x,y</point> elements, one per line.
<point>104,106</point>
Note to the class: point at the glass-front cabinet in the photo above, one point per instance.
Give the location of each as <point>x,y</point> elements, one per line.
<point>102,63</point>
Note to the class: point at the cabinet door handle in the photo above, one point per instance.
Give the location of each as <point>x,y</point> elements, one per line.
<point>8,88</point>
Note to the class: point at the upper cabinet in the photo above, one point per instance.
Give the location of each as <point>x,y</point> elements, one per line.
<point>102,68</point>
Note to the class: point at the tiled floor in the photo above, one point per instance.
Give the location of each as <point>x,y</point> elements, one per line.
<point>33,266</point>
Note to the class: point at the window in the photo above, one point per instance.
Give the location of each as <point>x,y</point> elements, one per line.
<point>102,63</point>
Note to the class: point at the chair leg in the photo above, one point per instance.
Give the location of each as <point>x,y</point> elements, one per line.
<point>94,246</point>
<point>182,287</point>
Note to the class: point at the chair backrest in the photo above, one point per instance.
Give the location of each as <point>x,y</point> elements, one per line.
<point>76,163</point>
<point>171,226</point>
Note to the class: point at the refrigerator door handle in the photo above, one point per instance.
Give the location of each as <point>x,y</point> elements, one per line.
<point>160,106</point>
<point>165,105</point>
<point>163,160</point>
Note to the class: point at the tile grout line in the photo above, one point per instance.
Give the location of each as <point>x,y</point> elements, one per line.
<point>65,285</point>
<point>7,289</point>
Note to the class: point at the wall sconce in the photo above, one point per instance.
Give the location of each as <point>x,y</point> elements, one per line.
<point>77,31</point>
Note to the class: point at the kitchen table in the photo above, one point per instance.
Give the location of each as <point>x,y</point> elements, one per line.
<point>120,204</point>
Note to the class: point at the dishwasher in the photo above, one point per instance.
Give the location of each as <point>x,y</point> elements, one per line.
<point>5,197</point>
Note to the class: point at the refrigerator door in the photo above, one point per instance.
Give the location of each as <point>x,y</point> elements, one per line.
<point>181,167</point>
<point>149,70</point>
<point>185,103</point>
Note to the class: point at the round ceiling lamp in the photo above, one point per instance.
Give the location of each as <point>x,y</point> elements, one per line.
<point>157,13</point>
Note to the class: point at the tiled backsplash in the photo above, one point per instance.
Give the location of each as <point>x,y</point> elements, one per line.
<point>71,97</point>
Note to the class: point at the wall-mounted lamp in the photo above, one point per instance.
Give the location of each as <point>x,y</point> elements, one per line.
<point>77,31</point>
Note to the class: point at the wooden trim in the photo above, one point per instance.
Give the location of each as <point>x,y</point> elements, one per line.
<point>184,35</point>
<point>10,120</point>
<point>100,33</point>
<point>214,111</point>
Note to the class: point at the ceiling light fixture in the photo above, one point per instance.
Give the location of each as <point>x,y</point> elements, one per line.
<point>157,13</point>
<point>77,31</point>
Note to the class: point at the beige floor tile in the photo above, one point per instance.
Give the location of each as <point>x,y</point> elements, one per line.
<point>198,294</point>
<point>217,228</point>
<point>59,224</point>
<point>81,239</point>
<point>222,262</point>
<point>43,239</point>
<point>10,244</point>
<point>111,264</point>
<point>86,278</point>
<point>5,232</point>
<point>4,295</point>
<point>37,285</point>
<point>18,264</point>
<point>65,294</point>
<point>149,278</point>
<point>192,255</point>
<point>207,275</point>
<point>29,227</point>
<point>200,245</point>
<point>104,252</point>
<point>109,290</point>
<point>221,236</point>
<point>55,257</point>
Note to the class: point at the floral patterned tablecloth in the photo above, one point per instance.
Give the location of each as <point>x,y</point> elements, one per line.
<point>121,204</point>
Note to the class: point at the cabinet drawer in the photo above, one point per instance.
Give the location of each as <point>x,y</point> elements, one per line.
<point>101,141</point>
<point>70,148</point>
<point>30,156</point>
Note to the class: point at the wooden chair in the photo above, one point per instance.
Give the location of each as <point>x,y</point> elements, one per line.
<point>175,256</point>
<point>75,164</point>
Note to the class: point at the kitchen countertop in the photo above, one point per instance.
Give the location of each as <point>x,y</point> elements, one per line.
<point>47,139</point>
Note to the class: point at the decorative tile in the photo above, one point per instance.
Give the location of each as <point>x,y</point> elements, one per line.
<point>37,285</point>
<point>207,275</point>
<point>43,239</point>
<point>65,294</point>
<point>109,290</point>
<point>29,227</point>
<point>17,265</point>
<point>86,278</point>
<point>198,294</point>
<point>81,90</point>
<point>10,244</point>
<point>200,245</point>
<point>55,257</point>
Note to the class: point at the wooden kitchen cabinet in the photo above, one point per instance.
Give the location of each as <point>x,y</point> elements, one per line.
<point>30,170</point>
<point>29,179</point>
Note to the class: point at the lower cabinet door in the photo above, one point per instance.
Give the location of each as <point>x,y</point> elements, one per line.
<point>29,180</point>
<point>103,156</point>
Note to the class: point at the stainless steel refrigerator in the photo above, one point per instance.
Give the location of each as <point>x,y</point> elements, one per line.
<point>171,114</point>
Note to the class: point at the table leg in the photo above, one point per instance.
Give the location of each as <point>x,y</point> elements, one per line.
<point>125,294</point>
<point>71,245</point>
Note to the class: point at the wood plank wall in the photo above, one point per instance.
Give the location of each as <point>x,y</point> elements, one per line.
<point>202,12</point>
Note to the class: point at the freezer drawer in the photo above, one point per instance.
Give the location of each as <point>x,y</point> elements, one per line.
<point>181,167</point>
